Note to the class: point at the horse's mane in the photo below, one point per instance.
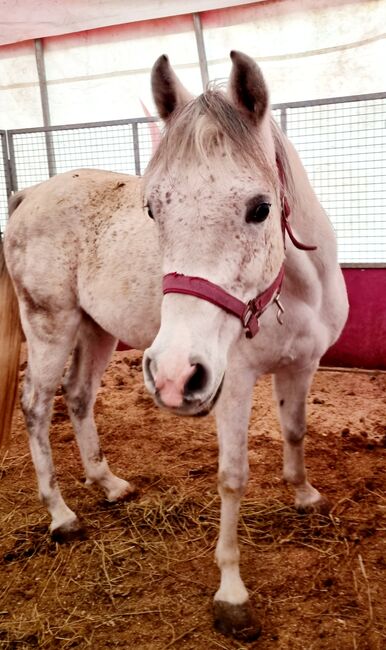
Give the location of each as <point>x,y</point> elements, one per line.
<point>199,128</point>
<point>288,181</point>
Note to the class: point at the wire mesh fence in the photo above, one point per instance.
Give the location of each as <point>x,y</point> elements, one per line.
<point>120,146</point>
<point>343,147</point>
<point>5,183</point>
<point>340,141</point>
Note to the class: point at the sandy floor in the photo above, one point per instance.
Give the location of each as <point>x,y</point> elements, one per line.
<point>145,576</point>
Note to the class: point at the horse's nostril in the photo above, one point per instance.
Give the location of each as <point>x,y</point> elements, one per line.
<point>197,381</point>
<point>147,369</point>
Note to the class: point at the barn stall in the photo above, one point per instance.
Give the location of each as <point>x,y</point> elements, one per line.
<point>145,575</point>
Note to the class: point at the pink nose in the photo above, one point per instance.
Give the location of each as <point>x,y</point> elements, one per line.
<point>171,391</point>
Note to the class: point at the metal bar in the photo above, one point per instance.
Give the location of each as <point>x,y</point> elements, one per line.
<point>41,68</point>
<point>283,119</point>
<point>12,162</point>
<point>137,159</point>
<point>144,120</point>
<point>6,164</point>
<point>201,50</point>
<point>331,100</point>
<point>363,265</point>
<point>84,125</point>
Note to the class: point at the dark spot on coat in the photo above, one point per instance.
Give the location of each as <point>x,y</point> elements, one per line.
<point>119,184</point>
<point>75,176</point>
<point>45,500</point>
<point>19,245</point>
<point>295,437</point>
<point>30,418</point>
<point>281,402</point>
<point>33,305</point>
<point>79,404</point>
<point>53,481</point>
<point>98,456</point>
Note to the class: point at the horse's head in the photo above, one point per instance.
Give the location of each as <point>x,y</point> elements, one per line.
<point>212,188</point>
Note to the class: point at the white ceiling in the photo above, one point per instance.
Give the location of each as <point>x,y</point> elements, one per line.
<point>21,20</point>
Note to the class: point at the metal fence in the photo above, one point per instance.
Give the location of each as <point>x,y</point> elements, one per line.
<point>342,143</point>
<point>5,179</point>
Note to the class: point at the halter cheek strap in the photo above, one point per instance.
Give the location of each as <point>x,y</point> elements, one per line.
<point>250,312</point>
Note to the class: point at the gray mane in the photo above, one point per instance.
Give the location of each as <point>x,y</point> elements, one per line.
<point>280,141</point>
<point>200,127</point>
<point>210,123</point>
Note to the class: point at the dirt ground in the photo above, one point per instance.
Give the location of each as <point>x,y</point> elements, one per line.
<point>145,576</point>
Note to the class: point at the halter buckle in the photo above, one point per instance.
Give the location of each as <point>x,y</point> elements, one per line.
<point>280,309</point>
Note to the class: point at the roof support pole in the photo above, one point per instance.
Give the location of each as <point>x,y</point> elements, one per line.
<point>201,50</point>
<point>41,69</point>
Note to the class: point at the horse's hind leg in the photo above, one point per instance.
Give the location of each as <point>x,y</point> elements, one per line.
<point>292,388</point>
<point>91,355</point>
<point>49,338</point>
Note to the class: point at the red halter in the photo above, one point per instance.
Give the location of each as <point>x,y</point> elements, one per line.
<point>250,312</point>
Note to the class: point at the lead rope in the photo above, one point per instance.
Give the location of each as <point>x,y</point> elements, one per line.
<point>286,211</point>
<point>286,228</point>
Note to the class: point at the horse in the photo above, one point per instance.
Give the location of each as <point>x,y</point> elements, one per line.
<point>233,276</point>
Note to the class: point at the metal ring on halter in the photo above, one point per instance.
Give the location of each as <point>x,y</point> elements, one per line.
<point>248,314</point>
<point>280,310</point>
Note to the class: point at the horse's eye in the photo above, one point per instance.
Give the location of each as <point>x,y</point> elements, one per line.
<point>258,213</point>
<point>149,212</point>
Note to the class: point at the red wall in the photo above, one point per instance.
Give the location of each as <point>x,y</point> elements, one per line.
<point>362,343</point>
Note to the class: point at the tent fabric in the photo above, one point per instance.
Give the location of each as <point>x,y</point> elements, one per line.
<point>20,20</point>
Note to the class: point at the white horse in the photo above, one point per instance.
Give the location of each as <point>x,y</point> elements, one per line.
<point>222,190</point>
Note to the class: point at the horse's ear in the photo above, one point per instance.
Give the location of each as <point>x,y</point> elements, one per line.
<point>247,87</point>
<point>168,92</point>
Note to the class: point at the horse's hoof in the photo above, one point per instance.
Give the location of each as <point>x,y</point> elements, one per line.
<point>69,532</point>
<point>128,492</point>
<point>238,621</point>
<point>321,507</point>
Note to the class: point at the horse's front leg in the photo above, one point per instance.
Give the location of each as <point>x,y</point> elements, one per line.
<point>292,386</point>
<point>232,610</point>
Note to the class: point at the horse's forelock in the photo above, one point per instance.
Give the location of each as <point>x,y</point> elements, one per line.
<point>204,126</point>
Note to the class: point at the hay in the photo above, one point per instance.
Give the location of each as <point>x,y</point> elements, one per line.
<point>145,577</point>
<point>144,543</point>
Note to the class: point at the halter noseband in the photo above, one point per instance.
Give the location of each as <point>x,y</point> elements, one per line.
<point>250,312</point>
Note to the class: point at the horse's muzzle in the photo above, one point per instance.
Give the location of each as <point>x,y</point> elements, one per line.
<point>187,394</point>
<point>192,408</point>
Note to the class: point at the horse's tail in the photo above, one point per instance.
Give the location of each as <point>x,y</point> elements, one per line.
<point>10,342</point>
